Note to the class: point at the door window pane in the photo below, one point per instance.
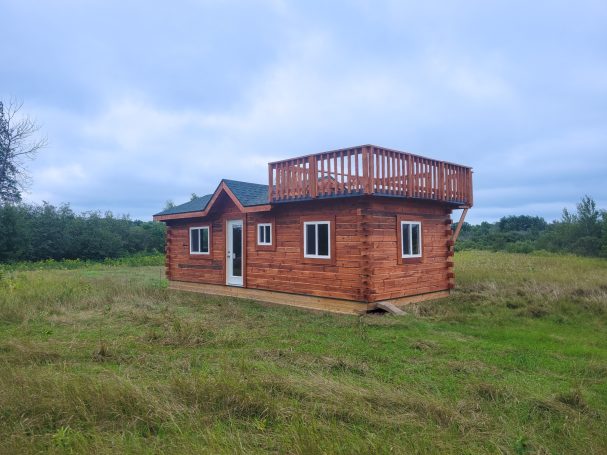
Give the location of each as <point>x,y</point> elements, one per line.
<point>237,251</point>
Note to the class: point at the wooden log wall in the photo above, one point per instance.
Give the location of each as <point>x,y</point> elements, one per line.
<point>285,269</point>
<point>365,267</point>
<point>210,269</point>
<point>432,272</point>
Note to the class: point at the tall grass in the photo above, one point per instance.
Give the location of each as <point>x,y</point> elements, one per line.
<point>134,260</point>
<point>105,359</point>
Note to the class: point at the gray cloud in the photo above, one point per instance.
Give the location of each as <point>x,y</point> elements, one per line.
<point>142,104</point>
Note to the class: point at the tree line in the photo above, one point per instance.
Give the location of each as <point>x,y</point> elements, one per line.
<point>31,232</point>
<point>583,232</point>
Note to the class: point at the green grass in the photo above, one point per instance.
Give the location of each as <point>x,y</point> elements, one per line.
<point>105,359</point>
<point>134,260</point>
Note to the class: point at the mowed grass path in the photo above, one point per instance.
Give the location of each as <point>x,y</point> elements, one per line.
<point>107,360</point>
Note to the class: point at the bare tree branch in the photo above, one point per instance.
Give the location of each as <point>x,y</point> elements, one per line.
<point>18,143</point>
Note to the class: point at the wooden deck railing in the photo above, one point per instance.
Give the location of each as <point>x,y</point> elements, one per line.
<point>369,170</point>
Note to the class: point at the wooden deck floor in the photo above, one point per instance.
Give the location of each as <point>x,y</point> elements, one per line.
<point>300,301</point>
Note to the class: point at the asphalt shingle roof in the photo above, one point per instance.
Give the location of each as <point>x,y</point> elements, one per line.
<point>248,194</point>
<point>195,205</point>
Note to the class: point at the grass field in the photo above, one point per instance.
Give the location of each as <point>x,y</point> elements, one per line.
<point>105,359</point>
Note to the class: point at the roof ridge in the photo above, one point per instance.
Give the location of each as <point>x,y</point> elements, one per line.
<point>242,181</point>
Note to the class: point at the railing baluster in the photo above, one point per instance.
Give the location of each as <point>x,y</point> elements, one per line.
<point>380,168</point>
<point>369,170</point>
<point>355,170</point>
<point>396,173</point>
<point>403,174</point>
<point>349,170</point>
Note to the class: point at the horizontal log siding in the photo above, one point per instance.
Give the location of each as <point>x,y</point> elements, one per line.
<point>285,269</point>
<point>430,273</point>
<point>365,268</point>
<point>200,268</point>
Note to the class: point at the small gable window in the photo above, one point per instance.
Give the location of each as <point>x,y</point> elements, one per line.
<point>317,241</point>
<point>264,234</point>
<point>200,240</point>
<point>411,239</point>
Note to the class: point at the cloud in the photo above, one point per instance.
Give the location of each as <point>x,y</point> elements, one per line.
<point>148,104</point>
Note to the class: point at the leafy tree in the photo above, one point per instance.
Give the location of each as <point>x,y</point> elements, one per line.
<point>582,232</point>
<point>16,146</point>
<point>35,232</point>
<point>522,223</point>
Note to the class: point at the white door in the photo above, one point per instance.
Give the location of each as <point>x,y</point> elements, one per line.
<point>234,246</point>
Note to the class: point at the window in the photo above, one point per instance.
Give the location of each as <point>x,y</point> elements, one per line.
<point>317,241</point>
<point>200,240</point>
<point>411,239</point>
<point>264,234</point>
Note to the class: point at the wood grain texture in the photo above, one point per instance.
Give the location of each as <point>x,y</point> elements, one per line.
<point>364,264</point>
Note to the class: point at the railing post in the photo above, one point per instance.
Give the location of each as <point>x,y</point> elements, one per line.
<point>313,177</point>
<point>470,190</point>
<point>410,176</point>
<point>441,181</point>
<point>369,170</point>
<point>270,182</point>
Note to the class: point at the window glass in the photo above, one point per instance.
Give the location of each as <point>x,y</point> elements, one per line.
<point>264,234</point>
<point>310,239</point>
<point>415,239</point>
<point>199,240</point>
<point>406,242</point>
<point>194,241</point>
<point>411,239</point>
<point>237,253</point>
<point>323,239</point>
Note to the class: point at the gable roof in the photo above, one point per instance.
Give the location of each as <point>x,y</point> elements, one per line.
<point>248,194</point>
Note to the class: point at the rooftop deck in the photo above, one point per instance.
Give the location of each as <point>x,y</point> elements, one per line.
<point>369,170</point>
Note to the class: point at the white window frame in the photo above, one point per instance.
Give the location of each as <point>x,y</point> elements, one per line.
<point>264,243</point>
<point>410,239</point>
<point>208,229</point>
<point>305,239</point>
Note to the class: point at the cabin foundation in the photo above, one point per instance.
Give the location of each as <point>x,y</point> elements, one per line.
<point>303,301</point>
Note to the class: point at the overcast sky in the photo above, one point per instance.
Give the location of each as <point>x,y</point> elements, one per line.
<point>148,101</point>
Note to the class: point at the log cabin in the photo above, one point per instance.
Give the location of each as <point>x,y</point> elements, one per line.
<point>347,231</point>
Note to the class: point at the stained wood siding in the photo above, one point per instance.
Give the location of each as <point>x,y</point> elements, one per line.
<point>387,278</point>
<point>365,266</point>
<point>285,269</point>
<point>181,265</point>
